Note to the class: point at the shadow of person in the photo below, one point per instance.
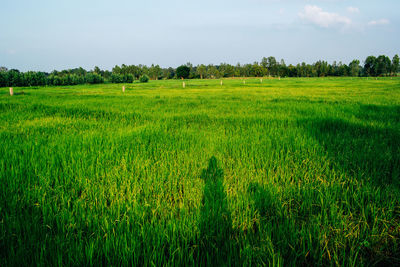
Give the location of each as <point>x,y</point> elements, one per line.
<point>216,243</point>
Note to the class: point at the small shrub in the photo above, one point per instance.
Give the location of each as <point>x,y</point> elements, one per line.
<point>144,79</point>
<point>128,78</point>
<point>116,78</point>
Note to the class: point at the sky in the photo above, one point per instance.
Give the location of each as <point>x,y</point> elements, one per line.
<point>44,35</point>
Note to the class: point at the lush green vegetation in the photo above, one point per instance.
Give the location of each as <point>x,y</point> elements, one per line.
<point>283,172</point>
<point>373,67</point>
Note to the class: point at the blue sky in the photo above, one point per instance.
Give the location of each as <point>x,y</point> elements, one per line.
<point>54,34</point>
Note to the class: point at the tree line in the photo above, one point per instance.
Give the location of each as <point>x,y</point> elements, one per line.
<point>373,66</point>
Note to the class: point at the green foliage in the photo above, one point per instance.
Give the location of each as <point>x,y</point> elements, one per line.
<point>144,78</point>
<point>155,71</point>
<point>3,79</point>
<point>116,78</point>
<point>395,65</point>
<point>202,71</point>
<point>355,68</point>
<point>77,79</point>
<point>93,78</point>
<point>128,78</point>
<point>183,72</point>
<point>290,172</point>
<point>34,78</point>
<point>121,78</point>
<point>370,66</point>
<point>381,66</point>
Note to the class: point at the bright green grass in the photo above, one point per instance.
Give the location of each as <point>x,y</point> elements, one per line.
<point>289,172</point>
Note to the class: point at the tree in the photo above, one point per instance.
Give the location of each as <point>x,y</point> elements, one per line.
<point>183,72</point>
<point>354,68</point>
<point>77,79</point>
<point>97,70</point>
<point>264,62</point>
<point>257,70</point>
<point>154,71</point>
<point>212,71</point>
<point>395,65</point>
<point>383,65</point>
<point>370,66</point>
<point>168,73</point>
<point>202,71</point>
<point>283,70</point>
<point>3,79</point>
<point>226,70</point>
<point>79,71</point>
<point>116,70</point>
<point>272,66</point>
<point>127,78</point>
<point>93,78</point>
<point>248,70</point>
<point>15,78</point>
<point>144,78</point>
<point>116,78</point>
<point>321,68</point>
<point>238,70</point>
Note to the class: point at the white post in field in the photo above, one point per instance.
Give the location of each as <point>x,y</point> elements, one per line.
<point>279,77</point>
<point>244,81</point>
<point>11,91</point>
<point>221,82</point>
<point>123,89</point>
<point>183,85</point>
<point>261,80</point>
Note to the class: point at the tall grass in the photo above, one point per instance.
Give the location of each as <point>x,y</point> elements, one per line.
<point>290,172</point>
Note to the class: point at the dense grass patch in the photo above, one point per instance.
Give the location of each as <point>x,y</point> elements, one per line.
<point>284,172</point>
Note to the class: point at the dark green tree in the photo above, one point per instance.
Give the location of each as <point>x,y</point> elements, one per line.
<point>272,66</point>
<point>144,78</point>
<point>183,72</point>
<point>128,78</point>
<point>116,78</point>
<point>354,67</point>
<point>202,71</point>
<point>155,72</point>
<point>395,65</point>
<point>370,66</point>
<point>383,65</point>
<point>93,78</point>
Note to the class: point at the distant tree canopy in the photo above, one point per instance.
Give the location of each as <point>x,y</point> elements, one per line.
<point>268,66</point>
<point>183,72</point>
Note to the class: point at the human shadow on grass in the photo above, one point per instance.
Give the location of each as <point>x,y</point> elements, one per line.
<point>363,150</point>
<point>216,246</point>
<point>220,244</point>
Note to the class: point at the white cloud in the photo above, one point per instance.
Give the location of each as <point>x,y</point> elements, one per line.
<point>378,22</point>
<point>351,9</point>
<point>322,18</point>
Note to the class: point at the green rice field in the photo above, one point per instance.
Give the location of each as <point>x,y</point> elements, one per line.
<point>289,172</point>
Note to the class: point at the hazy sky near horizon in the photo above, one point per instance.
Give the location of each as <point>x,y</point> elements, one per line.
<point>56,34</point>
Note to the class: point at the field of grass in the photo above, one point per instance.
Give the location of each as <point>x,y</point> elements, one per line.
<point>284,172</point>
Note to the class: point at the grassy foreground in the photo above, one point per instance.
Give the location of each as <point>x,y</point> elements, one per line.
<point>284,172</point>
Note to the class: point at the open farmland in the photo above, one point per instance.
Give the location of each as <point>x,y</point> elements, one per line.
<point>283,172</point>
